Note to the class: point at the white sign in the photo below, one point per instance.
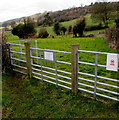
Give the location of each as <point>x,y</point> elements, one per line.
<point>48,56</point>
<point>112,62</point>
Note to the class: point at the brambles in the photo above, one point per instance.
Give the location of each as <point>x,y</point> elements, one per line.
<point>43,33</point>
<point>112,36</point>
<point>5,55</point>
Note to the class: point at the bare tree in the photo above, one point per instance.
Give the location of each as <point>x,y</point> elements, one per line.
<point>101,11</point>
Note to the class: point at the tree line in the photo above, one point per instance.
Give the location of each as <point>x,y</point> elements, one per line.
<point>103,12</point>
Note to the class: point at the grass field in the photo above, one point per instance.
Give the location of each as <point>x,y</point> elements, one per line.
<point>64,43</point>
<point>24,98</point>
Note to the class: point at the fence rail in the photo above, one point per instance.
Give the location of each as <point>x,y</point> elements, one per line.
<point>97,84</point>
<point>39,66</point>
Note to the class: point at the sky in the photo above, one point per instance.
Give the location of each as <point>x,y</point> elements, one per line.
<point>10,9</point>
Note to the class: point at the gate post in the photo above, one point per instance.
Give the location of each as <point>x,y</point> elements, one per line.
<point>28,59</point>
<point>75,68</point>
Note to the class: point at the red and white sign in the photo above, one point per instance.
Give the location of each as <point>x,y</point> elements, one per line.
<point>112,62</point>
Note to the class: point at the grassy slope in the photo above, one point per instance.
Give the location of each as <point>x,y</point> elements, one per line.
<point>89,22</point>
<point>23,98</point>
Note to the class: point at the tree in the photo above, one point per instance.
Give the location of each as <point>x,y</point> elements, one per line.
<point>29,27</point>
<point>116,11</point>
<point>79,27</point>
<point>101,11</point>
<point>57,28</point>
<point>70,29</point>
<point>48,20</point>
<point>117,22</point>
<point>19,31</point>
<point>63,29</point>
<point>13,24</point>
<point>24,30</point>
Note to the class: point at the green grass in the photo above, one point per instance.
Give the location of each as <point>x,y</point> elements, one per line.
<point>64,43</point>
<point>89,21</point>
<point>25,99</point>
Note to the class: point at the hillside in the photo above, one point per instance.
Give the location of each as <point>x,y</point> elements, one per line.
<point>68,14</point>
<point>61,15</point>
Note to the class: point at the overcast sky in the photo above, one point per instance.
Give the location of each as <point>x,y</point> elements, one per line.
<point>10,9</point>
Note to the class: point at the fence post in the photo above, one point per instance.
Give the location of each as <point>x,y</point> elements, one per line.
<point>75,68</point>
<point>36,43</point>
<point>28,59</point>
<point>9,54</point>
